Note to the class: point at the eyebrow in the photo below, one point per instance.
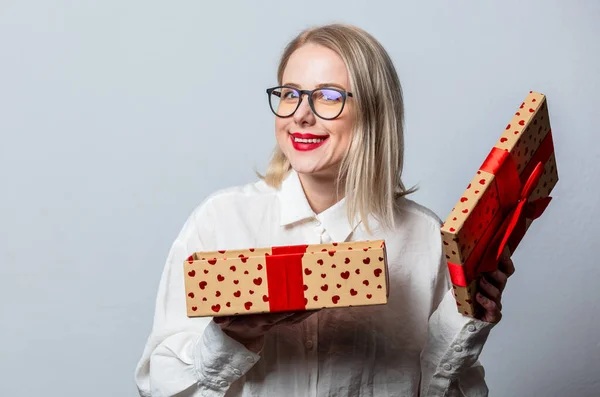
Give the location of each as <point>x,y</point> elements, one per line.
<point>322,85</point>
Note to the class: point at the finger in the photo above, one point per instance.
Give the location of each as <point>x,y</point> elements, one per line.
<point>491,292</point>
<point>492,312</point>
<point>280,317</point>
<point>498,278</point>
<point>506,265</point>
<point>299,317</point>
<point>264,321</point>
<point>268,318</point>
<point>223,321</point>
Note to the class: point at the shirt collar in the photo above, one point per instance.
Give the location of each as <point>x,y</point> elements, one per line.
<point>295,208</point>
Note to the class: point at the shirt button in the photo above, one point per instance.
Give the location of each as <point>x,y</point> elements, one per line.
<point>223,383</point>
<point>237,372</point>
<point>447,367</point>
<point>458,348</point>
<point>471,328</point>
<point>250,359</point>
<point>309,344</point>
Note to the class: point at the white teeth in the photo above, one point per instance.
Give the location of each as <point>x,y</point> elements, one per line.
<point>314,140</point>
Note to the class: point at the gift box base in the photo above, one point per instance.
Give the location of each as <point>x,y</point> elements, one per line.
<point>264,280</point>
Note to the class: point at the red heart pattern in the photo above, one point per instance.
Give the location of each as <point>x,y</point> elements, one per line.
<point>252,273</point>
<point>464,225</point>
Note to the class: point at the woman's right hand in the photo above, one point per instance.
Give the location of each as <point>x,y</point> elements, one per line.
<point>249,329</point>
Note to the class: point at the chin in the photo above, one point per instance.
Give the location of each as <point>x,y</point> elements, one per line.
<point>312,169</point>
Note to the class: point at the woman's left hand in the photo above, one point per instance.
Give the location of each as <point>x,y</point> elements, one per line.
<point>491,286</point>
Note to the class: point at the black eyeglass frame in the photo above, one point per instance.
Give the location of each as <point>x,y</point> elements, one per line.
<point>309,93</point>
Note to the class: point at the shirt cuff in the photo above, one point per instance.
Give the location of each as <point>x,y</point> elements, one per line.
<point>220,360</point>
<point>463,336</point>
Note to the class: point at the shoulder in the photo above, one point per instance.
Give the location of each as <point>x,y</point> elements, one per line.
<point>237,198</point>
<point>418,227</point>
<point>414,213</point>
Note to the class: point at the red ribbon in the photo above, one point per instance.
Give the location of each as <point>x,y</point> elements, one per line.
<point>509,225</point>
<point>284,276</point>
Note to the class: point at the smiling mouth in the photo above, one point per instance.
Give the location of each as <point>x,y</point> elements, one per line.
<point>305,142</point>
<point>309,140</point>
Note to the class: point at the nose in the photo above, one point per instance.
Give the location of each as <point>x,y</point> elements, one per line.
<point>304,114</point>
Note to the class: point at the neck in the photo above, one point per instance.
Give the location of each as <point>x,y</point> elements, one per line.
<point>320,191</point>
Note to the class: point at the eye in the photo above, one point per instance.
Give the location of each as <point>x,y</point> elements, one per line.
<point>328,95</point>
<point>288,93</point>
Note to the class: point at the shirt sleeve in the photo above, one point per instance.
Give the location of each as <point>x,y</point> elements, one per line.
<point>450,360</point>
<point>191,356</point>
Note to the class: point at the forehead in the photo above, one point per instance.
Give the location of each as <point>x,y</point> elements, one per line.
<point>313,64</point>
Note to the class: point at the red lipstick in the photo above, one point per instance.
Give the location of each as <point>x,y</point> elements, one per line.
<point>309,141</point>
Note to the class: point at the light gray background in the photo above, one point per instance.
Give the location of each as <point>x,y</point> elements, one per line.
<point>117,119</point>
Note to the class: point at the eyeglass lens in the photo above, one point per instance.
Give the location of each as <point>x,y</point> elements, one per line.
<point>327,103</point>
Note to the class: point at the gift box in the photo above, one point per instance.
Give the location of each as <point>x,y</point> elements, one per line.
<point>509,191</point>
<point>286,278</point>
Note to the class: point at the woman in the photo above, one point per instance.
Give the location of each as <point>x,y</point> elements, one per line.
<point>335,176</point>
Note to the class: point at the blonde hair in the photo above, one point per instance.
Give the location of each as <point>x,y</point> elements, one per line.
<point>372,167</point>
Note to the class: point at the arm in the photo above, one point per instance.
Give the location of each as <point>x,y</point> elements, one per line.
<point>191,356</point>
<point>449,361</point>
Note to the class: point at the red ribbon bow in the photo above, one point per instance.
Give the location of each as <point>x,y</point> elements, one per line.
<point>514,226</point>
<point>516,208</point>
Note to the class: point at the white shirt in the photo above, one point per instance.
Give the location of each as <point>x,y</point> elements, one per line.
<point>416,345</point>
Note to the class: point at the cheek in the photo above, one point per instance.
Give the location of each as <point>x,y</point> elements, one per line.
<point>343,131</point>
<point>280,126</point>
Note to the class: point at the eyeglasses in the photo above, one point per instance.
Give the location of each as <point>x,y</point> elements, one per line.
<point>327,103</point>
